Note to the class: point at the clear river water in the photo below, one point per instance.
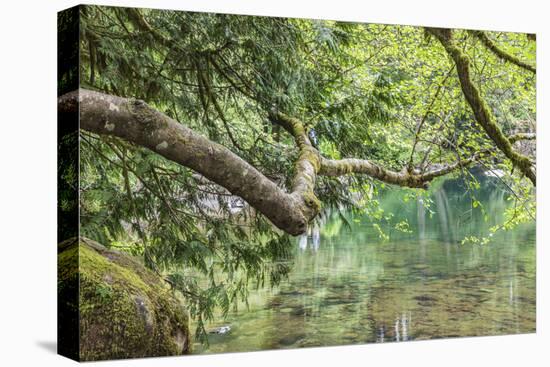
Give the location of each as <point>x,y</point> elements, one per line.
<point>349,286</point>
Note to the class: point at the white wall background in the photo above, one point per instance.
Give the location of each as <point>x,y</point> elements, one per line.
<point>28,182</point>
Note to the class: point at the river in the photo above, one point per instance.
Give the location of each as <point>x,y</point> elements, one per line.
<point>349,286</point>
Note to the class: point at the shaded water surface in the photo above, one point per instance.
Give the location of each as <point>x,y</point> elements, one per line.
<point>347,286</point>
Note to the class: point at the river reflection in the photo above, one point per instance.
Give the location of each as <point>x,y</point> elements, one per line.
<point>347,286</point>
<point>311,240</point>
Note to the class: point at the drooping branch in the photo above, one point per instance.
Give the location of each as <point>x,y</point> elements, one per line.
<point>204,87</point>
<point>491,46</point>
<point>482,113</point>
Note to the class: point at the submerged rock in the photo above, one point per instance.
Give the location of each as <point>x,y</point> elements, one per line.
<point>221,330</point>
<point>291,339</point>
<point>126,310</point>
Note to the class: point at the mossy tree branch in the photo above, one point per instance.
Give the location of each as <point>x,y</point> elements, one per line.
<point>482,112</point>
<point>491,46</point>
<point>308,164</point>
<point>407,177</point>
<point>136,122</point>
<point>522,136</point>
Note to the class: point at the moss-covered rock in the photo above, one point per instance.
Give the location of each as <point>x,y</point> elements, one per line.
<point>126,311</point>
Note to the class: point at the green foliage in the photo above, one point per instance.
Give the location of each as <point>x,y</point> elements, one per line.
<point>368,91</point>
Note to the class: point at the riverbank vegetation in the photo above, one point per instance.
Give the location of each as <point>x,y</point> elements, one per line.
<point>208,141</point>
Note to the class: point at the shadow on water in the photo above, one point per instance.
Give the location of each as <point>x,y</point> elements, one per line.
<point>349,287</point>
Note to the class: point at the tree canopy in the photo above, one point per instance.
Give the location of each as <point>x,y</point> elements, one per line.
<point>183,113</point>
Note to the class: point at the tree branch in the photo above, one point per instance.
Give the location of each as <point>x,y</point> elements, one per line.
<point>407,177</point>
<point>308,163</point>
<point>136,122</point>
<point>491,46</point>
<point>482,113</point>
<point>139,21</point>
<point>521,136</point>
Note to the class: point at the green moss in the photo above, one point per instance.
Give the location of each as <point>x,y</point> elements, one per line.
<point>312,201</point>
<point>312,155</point>
<point>126,311</point>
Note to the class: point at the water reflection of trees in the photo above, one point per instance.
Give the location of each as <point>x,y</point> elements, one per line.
<point>347,286</point>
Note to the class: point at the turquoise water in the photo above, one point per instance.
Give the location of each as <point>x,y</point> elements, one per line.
<point>349,286</point>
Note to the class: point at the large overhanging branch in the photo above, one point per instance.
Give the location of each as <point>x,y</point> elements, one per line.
<point>482,113</point>
<point>136,122</point>
<point>491,46</point>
